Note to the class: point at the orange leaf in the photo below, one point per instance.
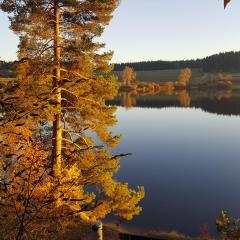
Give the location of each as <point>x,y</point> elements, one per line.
<point>226,3</point>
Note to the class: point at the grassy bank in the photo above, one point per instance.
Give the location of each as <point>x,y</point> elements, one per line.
<point>77,230</point>
<point>4,80</point>
<point>161,76</point>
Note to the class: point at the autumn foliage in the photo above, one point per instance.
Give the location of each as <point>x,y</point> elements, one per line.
<point>185,76</point>
<point>128,76</point>
<point>51,166</point>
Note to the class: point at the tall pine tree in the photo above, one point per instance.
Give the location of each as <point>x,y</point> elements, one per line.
<point>63,82</point>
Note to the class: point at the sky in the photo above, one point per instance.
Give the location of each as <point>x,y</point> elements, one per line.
<point>159,30</point>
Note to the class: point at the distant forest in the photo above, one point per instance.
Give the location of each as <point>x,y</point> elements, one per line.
<point>225,62</point>
<point>6,69</point>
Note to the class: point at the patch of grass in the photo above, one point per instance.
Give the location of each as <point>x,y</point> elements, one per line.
<point>4,80</point>
<point>173,235</point>
<point>160,75</point>
<point>173,74</point>
<point>235,76</point>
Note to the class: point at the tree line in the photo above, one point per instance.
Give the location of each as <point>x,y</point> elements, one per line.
<point>226,61</point>
<point>7,69</point>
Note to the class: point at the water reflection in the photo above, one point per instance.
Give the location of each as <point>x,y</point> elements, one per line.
<point>186,158</point>
<point>223,102</point>
<point>184,98</point>
<point>129,99</point>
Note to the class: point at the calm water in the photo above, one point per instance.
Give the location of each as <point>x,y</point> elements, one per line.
<point>188,160</point>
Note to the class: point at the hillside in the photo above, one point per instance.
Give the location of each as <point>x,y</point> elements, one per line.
<point>7,69</point>
<point>160,75</point>
<point>226,62</point>
<point>222,62</point>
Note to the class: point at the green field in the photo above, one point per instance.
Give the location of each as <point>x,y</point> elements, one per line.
<point>172,75</point>
<point>160,75</point>
<point>4,80</point>
<point>235,76</point>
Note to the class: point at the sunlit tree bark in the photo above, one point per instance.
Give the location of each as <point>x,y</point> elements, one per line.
<point>57,128</point>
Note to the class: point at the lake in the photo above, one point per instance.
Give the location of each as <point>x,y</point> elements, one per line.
<point>187,158</point>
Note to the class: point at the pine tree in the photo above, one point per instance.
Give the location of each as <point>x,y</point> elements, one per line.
<point>63,82</point>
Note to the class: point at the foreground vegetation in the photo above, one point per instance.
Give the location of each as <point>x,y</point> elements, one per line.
<point>51,169</point>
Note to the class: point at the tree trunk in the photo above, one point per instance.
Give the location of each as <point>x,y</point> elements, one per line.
<point>57,129</point>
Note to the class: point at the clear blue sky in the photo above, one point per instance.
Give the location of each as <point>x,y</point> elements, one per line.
<point>158,29</point>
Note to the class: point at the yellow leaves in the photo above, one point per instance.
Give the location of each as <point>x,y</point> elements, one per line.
<point>70,191</point>
<point>184,98</point>
<point>124,199</point>
<point>29,179</point>
<point>101,210</point>
<point>93,167</point>
<point>185,76</point>
<point>97,166</point>
<point>227,227</point>
<point>85,186</point>
<point>128,75</point>
<point>70,174</point>
<point>107,137</point>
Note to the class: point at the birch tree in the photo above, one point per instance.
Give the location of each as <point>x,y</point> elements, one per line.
<point>128,76</point>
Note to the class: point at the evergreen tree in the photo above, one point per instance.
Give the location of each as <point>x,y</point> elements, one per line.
<point>63,82</point>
